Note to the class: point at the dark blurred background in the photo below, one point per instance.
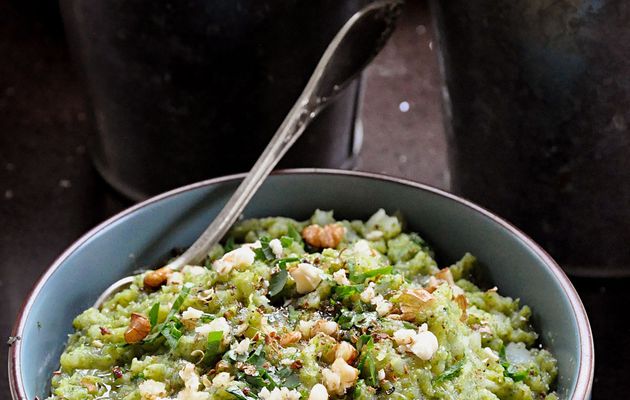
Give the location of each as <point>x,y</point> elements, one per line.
<point>50,193</point>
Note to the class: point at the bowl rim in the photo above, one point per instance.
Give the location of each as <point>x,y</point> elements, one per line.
<point>586,363</point>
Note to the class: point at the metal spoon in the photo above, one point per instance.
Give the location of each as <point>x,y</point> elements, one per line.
<point>354,46</point>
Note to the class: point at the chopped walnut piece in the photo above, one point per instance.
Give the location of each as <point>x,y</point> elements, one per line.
<point>346,351</point>
<point>324,236</point>
<point>139,328</point>
<point>446,275</point>
<point>290,338</point>
<point>412,301</point>
<point>155,279</point>
<point>462,302</point>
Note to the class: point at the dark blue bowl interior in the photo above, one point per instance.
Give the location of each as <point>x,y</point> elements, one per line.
<point>144,235</point>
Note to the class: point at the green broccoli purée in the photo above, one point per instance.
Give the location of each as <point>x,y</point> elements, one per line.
<point>318,309</point>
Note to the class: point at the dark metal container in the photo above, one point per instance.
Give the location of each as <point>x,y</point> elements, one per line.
<point>538,112</point>
<point>186,90</point>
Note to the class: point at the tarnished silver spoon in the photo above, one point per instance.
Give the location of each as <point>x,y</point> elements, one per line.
<point>354,46</point>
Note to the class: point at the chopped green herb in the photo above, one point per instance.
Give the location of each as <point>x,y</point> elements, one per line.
<point>282,262</point>
<point>238,393</point>
<point>343,292</point>
<point>205,318</point>
<point>295,235</point>
<point>172,332</point>
<point>366,365</point>
<point>264,252</point>
<point>371,274</point>
<point>509,370</point>
<point>277,282</point>
<point>153,314</point>
<point>160,328</point>
<point>452,372</point>
<point>286,241</point>
<point>213,344</point>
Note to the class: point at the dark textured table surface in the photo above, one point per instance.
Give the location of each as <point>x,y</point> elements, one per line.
<point>50,194</point>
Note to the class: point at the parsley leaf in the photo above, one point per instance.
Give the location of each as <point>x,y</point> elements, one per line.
<point>509,370</point>
<point>277,282</point>
<point>264,252</point>
<point>367,365</point>
<point>173,329</point>
<point>213,344</point>
<point>295,235</point>
<point>286,241</point>
<point>239,394</point>
<point>452,372</point>
<point>153,314</point>
<point>343,292</point>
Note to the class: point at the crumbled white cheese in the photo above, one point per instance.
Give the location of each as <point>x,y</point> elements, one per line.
<point>176,278</point>
<point>339,377</point>
<point>368,293</point>
<point>305,328</point>
<point>330,328</point>
<point>151,390</point>
<point>192,313</point>
<point>279,394</point>
<point>194,270</point>
<point>374,235</point>
<point>276,246</point>
<point>383,307</point>
<point>242,347</point>
<point>222,380</point>
<point>422,344</point>
<point>318,392</point>
<point>362,248</point>
<point>404,336</point>
<point>491,354</point>
<point>306,276</point>
<point>340,277</point>
<point>219,324</point>
<point>425,345</point>
<point>241,257</point>
<point>381,375</point>
<point>191,384</point>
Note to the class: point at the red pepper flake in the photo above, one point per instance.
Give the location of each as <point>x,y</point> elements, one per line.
<point>117,372</point>
<point>105,331</point>
<point>297,364</point>
<point>246,391</point>
<point>57,372</point>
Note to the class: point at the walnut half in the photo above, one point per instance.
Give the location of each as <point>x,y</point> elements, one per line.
<point>324,236</point>
<point>139,328</point>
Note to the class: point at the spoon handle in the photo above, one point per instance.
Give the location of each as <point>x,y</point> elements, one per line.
<point>333,71</point>
<point>292,127</point>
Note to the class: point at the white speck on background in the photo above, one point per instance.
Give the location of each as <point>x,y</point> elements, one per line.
<point>431,45</point>
<point>421,29</point>
<point>65,183</point>
<point>404,106</point>
<point>402,158</point>
<point>8,194</point>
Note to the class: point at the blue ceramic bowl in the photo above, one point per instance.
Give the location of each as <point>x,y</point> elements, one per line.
<point>144,234</point>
